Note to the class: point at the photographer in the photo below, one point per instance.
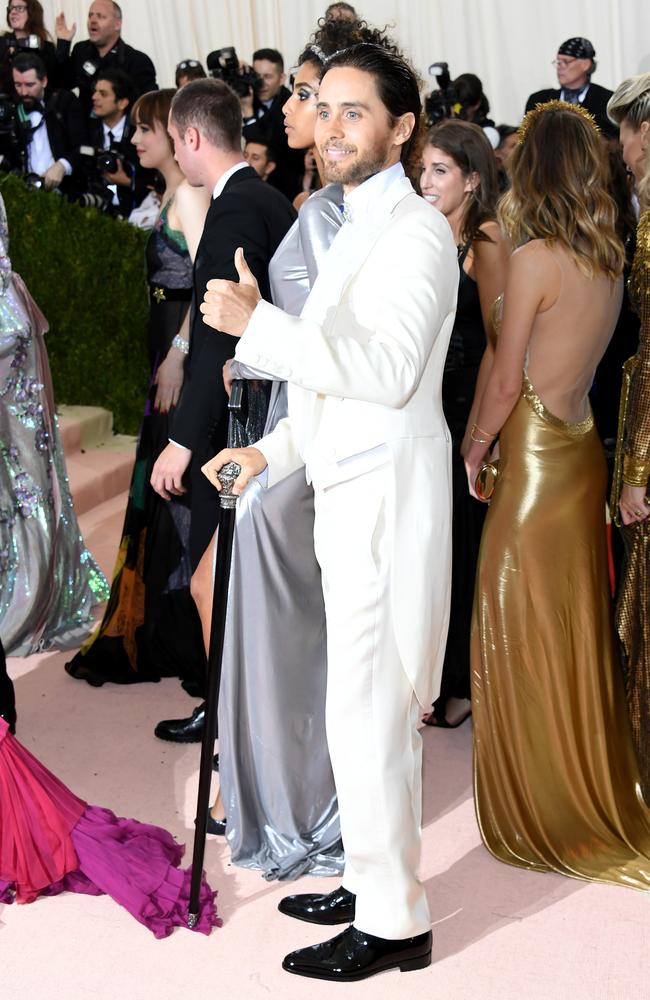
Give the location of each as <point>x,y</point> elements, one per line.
<point>26,32</point>
<point>460,98</point>
<point>104,49</point>
<point>52,130</point>
<point>114,178</point>
<point>262,110</point>
<point>258,153</point>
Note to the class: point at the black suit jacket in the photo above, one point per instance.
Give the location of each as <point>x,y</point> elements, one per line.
<point>77,67</point>
<point>595,102</point>
<point>129,198</point>
<point>290,163</point>
<point>249,214</point>
<point>67,131</point>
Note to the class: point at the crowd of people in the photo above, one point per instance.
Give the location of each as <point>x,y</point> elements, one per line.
<point>419,305</point>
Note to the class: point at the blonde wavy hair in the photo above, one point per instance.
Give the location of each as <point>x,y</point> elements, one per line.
<point>559,189</point>
<point>630,103</point>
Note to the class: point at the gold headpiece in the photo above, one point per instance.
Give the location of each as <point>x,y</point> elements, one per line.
<point>531,117</point>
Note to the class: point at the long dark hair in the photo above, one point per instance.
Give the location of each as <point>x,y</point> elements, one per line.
<point>398,86</point>
<point>471,151</point>
<point>35,24</point>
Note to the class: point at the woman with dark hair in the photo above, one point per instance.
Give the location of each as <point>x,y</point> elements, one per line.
<point>150,628</point>
<point>459,179</point>
<point>473,106</point>
<point>26,31</point>
<point>556,782</point>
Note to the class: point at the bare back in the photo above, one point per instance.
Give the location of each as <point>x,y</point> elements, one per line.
<point>570,331</point>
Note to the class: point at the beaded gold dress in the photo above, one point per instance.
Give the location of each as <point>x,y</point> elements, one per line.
<point>633,467</point>
<point>556,780</point>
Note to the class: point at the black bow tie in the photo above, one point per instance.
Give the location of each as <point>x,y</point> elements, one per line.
<point>572,96</point>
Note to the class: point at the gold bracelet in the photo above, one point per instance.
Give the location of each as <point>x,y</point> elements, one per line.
<point>481,440</point>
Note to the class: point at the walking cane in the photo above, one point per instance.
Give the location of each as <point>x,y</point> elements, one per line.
<point>225,537</point>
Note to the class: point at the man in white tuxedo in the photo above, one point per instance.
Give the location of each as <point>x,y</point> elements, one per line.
<point>364,363</point>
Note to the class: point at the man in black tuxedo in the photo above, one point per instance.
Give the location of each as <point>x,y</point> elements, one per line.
<point>205,124</point>
<point>57,126</point>
<point>7,697</point>
<point>110,129</point>
<point>104,49</point>
<point>575,62</point>
<point>262,113</point>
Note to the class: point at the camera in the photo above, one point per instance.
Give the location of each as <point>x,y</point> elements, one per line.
<point>107,161</point>
<point>223,64</point>
<point>15,134</point>
<point>443,102</point>
<point>95,163</point>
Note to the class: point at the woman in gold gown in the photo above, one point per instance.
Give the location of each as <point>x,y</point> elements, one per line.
<point>630,107</point>
<point>556,780</point>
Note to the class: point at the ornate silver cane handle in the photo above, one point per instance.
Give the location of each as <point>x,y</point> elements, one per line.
<point>226,476</point>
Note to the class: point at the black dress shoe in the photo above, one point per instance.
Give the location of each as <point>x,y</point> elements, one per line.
<point>217,826</point>
<point>353,955</point>
<point>183,730</point>
<point>335,908</point>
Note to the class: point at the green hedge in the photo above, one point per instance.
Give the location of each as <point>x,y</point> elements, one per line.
<point>86,272</point>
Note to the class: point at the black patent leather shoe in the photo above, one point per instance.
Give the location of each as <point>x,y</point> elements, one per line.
<point>183,730</point>
<point>217,827</point>
<point>353,955</point>
<point>335,908</point>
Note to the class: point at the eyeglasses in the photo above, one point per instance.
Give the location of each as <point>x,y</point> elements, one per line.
<point>562,63</point>
<point>188,64</point>
<point>18,8</point>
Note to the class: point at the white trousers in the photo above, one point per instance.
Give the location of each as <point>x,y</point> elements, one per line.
<point>372,711</point>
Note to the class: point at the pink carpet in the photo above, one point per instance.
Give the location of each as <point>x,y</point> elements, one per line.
<point>499,933</point>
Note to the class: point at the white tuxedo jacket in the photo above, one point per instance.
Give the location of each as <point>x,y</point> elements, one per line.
<point>364,363</point>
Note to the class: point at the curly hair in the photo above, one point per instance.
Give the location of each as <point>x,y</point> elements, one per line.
<point>332,36</point>
<point>559,190</point>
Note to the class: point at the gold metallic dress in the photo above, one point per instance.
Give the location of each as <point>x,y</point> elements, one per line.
<point>633,467</point>
<point>556,780</point>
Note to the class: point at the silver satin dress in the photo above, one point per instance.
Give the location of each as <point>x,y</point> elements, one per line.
<point>49,582</point>
<point>276,778</point>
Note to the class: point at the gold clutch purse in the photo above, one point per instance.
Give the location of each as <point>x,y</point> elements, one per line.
<point>486,480</point>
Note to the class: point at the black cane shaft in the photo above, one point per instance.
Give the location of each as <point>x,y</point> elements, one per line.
<point>217,632</point>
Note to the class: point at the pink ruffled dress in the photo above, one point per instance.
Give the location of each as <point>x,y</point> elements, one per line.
<point>52,842</point>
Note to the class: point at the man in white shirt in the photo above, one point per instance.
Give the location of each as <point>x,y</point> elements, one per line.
<point>364,364</point>
<point>56,128</point>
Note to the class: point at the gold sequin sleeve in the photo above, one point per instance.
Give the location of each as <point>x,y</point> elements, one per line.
<point>636,458</point>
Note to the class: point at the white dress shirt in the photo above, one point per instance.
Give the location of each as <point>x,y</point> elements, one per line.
<point>39,151</point>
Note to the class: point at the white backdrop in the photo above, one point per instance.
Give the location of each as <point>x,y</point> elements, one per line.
<point>508,43</point>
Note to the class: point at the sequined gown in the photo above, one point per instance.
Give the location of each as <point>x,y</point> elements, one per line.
<point>633,454</point>
<point>151,627</point>
<point>276,777</point>
<point>49,582</point>
<point>556,780</point>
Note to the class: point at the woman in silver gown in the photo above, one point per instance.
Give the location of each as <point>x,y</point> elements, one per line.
<point>49,582</point>
<point>277,787</point>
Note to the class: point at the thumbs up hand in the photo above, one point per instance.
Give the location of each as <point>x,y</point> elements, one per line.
<point>246,276</point>
<point>227,305</point>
